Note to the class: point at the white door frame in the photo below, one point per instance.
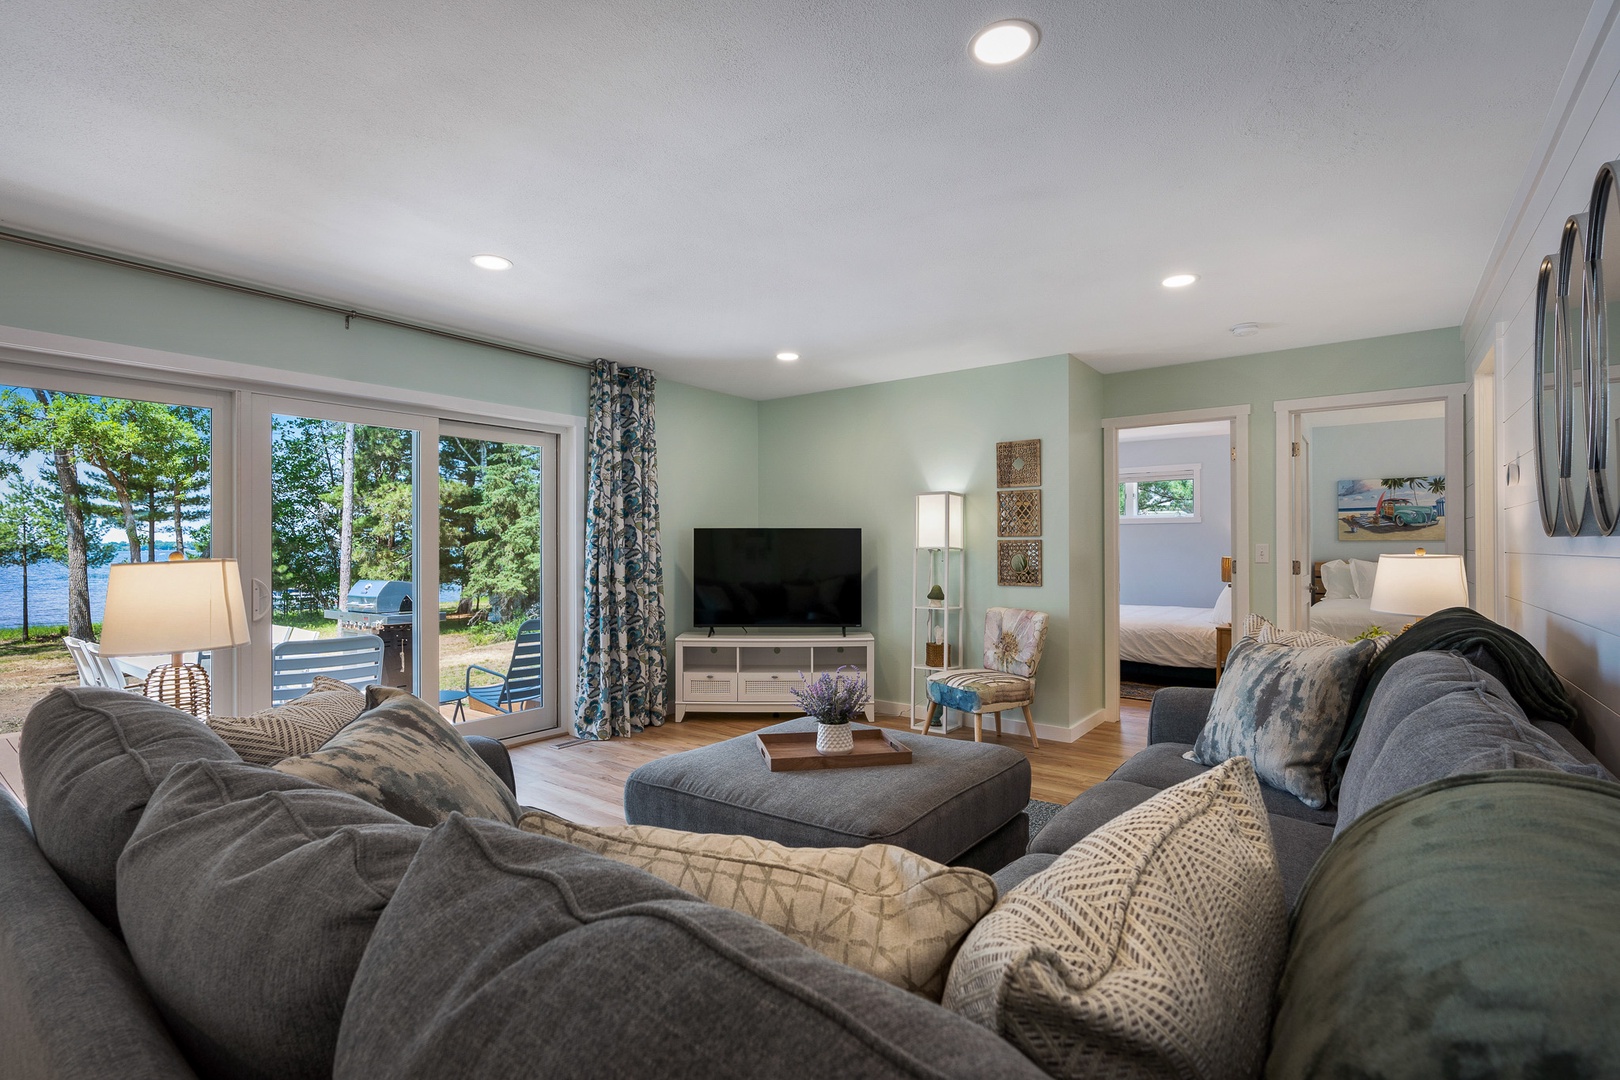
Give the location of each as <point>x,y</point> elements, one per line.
<point>1289,414</point>
<point>1238,415</point>
<point>1486,391</point>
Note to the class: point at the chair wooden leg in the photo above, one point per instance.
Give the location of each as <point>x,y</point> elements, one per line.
<point>1029,721</point>
<point>998,725</point>
<point>978,727</point>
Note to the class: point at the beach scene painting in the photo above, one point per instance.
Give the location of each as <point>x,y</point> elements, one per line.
<point>1402,508</point>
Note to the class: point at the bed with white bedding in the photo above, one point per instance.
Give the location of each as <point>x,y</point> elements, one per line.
<point>1342,591</point>
<point>1175,637</point>
<point>1345,617</point>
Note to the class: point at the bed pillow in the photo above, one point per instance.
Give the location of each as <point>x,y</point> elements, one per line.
<point>880,909</point>
<point>1362,574</point>
<point>1338,580</point>
<point>1283,702</point>
<point>1223,607</point>
<point>299,727</point>
<point>1152,947</point>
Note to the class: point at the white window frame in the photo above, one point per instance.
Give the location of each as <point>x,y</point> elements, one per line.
<point>124,369</point>
<point>1130,477</point>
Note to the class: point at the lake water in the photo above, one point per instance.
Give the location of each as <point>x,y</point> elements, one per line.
<point>47,592</point>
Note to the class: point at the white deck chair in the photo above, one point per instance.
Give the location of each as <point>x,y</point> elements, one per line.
<point>356,659</point>
<point>88,674</point>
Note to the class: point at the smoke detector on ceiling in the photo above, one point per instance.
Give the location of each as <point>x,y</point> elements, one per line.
<point>1246,329</point>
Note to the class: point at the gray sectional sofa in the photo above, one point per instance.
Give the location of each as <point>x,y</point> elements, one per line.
<point>1466,723</point>
<point>498,953</point>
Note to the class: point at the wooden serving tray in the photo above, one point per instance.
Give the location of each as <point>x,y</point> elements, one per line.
<point>794,751</point>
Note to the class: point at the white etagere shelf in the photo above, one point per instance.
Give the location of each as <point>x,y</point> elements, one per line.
<point>938,559</point>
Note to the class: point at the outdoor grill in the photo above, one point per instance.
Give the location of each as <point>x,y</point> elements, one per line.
<point>382,608</point>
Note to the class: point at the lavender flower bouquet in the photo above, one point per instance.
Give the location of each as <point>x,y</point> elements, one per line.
<point>833,697</point>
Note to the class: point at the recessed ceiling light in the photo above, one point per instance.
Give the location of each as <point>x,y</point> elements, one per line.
<point>787,356</point>
<point>1245,329</point>
<point>1179,281</point>
<point>491,262</point>
<point>1004,42</point>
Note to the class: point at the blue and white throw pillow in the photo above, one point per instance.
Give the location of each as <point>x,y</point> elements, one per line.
<point>1283,702</point>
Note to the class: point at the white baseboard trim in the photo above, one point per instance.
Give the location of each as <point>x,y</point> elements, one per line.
<point>1013,722</point>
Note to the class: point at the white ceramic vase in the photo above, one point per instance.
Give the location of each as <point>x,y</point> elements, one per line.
<point>834,738</point>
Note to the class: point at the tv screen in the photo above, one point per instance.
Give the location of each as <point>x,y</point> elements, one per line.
<point>776,577</point>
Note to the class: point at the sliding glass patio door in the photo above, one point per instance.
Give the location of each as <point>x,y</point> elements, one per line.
<point>438,537</point>
<point>497,564</point>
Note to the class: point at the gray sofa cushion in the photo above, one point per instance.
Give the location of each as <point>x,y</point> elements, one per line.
<point>950,797</point>
<point>71,1005</point>
<point>1436,715</point>
<point>401,755</point>
<point>1463,929</point>
<point>247,897</point>
<point>1164,765</point>
<point>90,761</point>
<point>1018,871</point>
<point>1299,841</point>
<point>563,963</point>
<point>1090,810</point>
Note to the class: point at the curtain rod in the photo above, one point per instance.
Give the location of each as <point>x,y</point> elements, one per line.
<point>267,294</point>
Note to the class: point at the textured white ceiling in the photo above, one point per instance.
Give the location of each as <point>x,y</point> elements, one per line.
<point>698,185</point>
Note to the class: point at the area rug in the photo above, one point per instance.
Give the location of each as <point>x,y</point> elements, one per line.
<point>1138,691</point>
<point>1039,814</point>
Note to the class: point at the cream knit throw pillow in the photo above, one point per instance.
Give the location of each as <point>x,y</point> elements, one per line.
<point>879,908</point>
<point>1149,949</point>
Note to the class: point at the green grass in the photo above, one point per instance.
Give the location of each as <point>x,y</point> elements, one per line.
<point>52,634</point>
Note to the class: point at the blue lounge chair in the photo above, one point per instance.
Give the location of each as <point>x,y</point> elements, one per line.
<point>356,659</point>
<point>521,685</point>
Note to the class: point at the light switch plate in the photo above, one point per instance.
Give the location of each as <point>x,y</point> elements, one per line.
<point>1262,553</point>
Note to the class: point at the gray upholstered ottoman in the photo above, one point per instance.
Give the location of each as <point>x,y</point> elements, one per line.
<point>956,802</point>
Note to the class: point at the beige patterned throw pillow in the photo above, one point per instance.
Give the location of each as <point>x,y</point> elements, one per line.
<point>298,727</point>
<point>1150,948</point>
<point>879,908</point>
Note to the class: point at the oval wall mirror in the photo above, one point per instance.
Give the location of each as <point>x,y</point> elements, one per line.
<point>1545,400</point>
<point>1602,374</point>
<point>1568,366</point>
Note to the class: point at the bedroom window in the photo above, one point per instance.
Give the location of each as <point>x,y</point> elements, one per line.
<point>1153,493</point>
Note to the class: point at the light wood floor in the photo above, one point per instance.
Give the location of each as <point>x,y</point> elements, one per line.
<point>584,781</point>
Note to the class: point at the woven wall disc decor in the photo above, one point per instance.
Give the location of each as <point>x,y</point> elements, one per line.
<point>1018,464</point>
<point>1018,562</point>
<point>1018,513</point>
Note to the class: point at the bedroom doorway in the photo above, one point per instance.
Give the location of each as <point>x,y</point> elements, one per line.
<point>1360,475</point>
<point>1176,512</point>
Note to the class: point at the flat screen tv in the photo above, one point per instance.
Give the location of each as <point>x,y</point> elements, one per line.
<point>776,577</point>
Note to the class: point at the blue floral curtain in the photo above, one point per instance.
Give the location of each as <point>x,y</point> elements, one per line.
<point>621,667</point>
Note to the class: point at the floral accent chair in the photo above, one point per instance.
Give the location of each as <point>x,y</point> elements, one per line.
<point>1013,641</point>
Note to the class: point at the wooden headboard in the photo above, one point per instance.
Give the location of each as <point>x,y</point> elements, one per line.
<point>1318,590</point>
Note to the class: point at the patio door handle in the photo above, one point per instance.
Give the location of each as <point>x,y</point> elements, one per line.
<point>261,599</point>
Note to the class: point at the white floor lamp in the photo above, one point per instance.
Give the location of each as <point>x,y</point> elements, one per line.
<point>175,607</point>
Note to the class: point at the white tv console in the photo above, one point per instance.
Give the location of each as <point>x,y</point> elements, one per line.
<point>754,672</point>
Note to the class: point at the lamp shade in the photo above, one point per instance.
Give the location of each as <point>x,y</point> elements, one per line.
<point>173,607</point>
<point>1419,584</point>
<point>939,519</point>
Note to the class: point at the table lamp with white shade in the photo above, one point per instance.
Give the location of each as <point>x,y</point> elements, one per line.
<point>175,607</point>
<point>1419,584</point>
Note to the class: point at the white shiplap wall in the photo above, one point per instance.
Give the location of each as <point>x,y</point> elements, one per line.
<point>1562,593</point>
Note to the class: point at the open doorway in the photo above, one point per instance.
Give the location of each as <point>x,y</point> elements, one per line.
<point>1178,511</point>
<point>1361,476</point>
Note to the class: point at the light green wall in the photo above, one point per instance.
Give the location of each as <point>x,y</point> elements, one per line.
<point>708,476</point>
<point>62,294</point>
<point>1426,358</point>
<point>858,457</point>
<point>854,457</point>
